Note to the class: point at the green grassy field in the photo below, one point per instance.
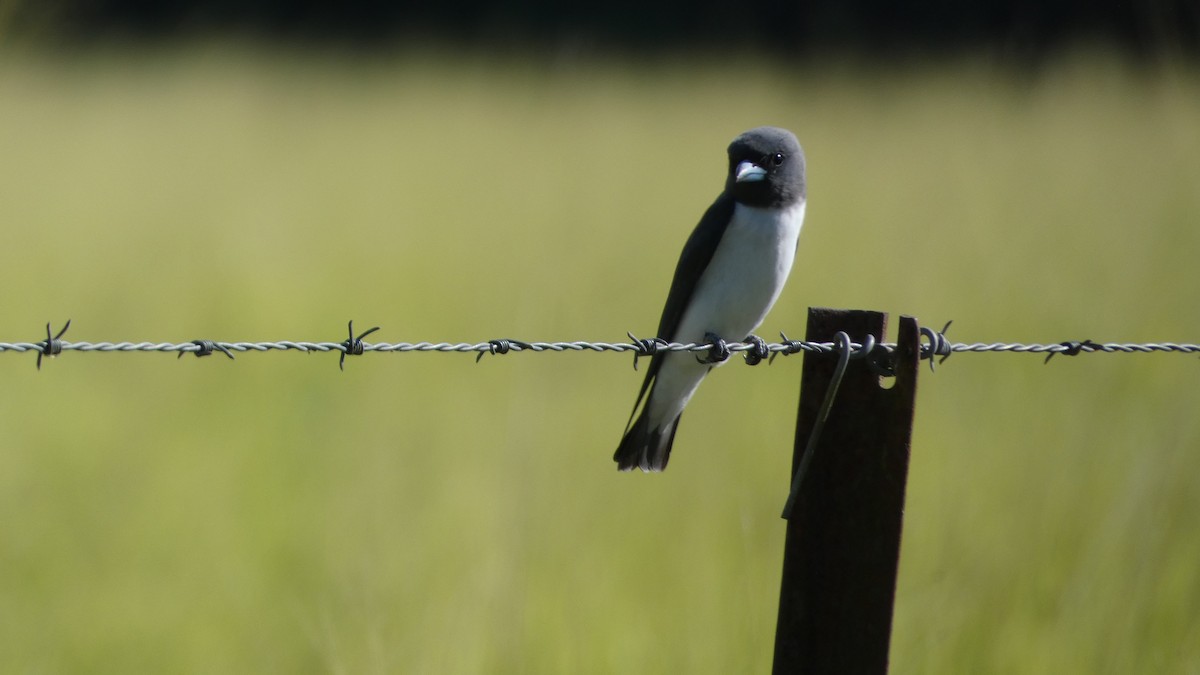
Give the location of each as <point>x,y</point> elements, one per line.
<point>427,514</point>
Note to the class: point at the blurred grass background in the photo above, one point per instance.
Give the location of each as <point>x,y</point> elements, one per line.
<point>424,514</point>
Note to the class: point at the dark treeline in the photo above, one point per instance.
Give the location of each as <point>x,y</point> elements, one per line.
<point>1021,27</point>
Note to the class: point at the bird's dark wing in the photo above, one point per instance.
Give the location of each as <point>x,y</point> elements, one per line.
<point>697,253</point>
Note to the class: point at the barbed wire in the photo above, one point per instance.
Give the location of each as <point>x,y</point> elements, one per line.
<point>755,349</point>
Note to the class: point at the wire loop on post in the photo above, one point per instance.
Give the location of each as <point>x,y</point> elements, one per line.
<point>844,356</point>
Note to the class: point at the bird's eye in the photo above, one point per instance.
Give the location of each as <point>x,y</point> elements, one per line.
<point>777,159</point>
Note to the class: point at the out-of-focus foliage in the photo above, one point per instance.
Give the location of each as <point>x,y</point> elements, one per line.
<point>1028,31</point>
<point>422,513</point>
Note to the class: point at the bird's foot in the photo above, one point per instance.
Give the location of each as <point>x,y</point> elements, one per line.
<point>758,350</point>
<point>719,351</point>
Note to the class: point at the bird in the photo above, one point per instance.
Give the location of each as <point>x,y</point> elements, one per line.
<point>732,269</point>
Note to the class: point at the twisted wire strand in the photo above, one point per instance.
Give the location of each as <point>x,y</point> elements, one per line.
<point>1089,347</point>
<point>638,347</point>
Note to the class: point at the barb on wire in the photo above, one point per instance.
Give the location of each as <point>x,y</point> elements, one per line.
<point>935,345</point>
<point>353,346</point>
<point>206,348</point>
<point>648,347</point>
<point>789,347</point>
<point>52,346</point>
<point>1072,348</point>
<point>938,345</point>
<point>502,346</point>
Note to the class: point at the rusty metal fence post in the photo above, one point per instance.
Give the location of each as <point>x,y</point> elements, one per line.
<point>842,549</point>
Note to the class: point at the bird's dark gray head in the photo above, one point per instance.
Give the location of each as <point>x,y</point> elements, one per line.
<point>766,168</point>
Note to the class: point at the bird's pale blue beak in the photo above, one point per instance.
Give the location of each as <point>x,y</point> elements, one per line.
<point>749,172</point>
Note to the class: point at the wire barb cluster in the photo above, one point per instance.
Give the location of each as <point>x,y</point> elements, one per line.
<point>754,349</point>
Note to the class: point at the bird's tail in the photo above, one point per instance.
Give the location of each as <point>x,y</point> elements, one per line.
<point>645,448</point>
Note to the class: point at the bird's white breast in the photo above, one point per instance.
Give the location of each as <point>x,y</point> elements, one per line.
<point>733,295</point>
<point>746,274</point>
